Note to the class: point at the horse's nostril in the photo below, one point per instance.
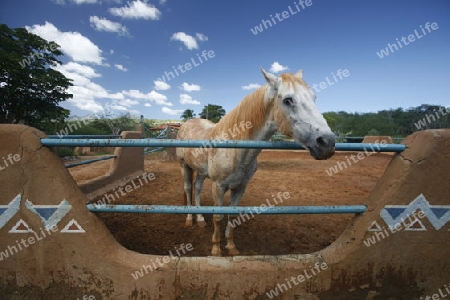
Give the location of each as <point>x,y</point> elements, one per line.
<point>321,142</point>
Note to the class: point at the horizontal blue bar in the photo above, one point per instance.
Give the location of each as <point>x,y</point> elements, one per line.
<point>212,144</point>
<point>85,162</point>
<point>234,210</point>
<point>75,136</point>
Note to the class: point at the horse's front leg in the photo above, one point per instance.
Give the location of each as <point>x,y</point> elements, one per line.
<point>235,198</point>
<point>218,194</point>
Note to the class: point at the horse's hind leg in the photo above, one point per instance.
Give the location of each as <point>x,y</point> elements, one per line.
<point>187,175</point>
<point>198,190</point>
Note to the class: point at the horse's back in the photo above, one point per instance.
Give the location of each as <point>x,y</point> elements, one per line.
<point>195,129</point>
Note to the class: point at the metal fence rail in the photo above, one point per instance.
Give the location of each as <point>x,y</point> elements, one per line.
<point>234,210</point>
<point>90,161</point>
<point>75,136</point>
<point>212,144</point>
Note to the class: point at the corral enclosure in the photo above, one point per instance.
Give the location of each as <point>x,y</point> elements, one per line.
<point>295,172</point>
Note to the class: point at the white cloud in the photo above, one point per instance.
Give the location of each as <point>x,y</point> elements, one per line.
<point>120,67</point>
<point>188,40</point>
<point>128,102</point>
<point>153,96</point>
<point>161,85</point>
<point>136,10</point>
<point>102,24</point>
<point>73,67</point>
<point>147,105</point>
<point>186,99</point>
<point>77,1</point>
<point>201,37</point>
<point>172,112</point>
<point>251,86</point>
<point>190,87</point>
<point>158,98</point>
<point>276,67</point>
<point>115,106</point>
<point>85,92</point>
<point>74,44</point>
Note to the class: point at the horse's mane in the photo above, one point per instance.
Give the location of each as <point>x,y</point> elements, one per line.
<point>251,109</point>
<point>292,78</point>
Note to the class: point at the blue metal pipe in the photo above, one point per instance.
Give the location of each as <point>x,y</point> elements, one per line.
<point>212,144</point>
<point>233,210</point>
<point>77,136</point>
<point>85,162</point>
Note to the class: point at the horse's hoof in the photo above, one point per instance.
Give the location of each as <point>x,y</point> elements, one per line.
<point>201,223</point>
<point>216,251</point>
<point>232,250</point>
<point>189,223</point>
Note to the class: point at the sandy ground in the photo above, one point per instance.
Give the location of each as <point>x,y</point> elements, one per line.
<point>294,172</point>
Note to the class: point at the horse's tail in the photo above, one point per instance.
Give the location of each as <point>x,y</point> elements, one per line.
<point>192,187</point>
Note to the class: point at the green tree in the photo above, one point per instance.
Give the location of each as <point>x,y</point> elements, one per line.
<point>187,114</point>
<point>111,125</point>
<point>212,112</point>
<point>30,89</point>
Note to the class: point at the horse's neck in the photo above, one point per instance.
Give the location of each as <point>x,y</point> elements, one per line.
<point>250,120</point>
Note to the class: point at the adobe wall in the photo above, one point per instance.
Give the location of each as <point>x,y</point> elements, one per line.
<point>85,259</point>
<point>128,165</point>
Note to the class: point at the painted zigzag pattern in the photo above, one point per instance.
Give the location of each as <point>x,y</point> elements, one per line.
<point>438,215</point>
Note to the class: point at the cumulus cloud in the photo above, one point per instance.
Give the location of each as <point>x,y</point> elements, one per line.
<point>102,24</point>
<point>120,67</point>
<point>251,86</point>
<point>201,37</point>
<point>84,90</point>
<point>137,10</point>
<point>153,96</point>
<point>190,87</point>
<point>73,44</point>
<point>127,102</point>
<point>276,67</point>
<point>186,99</point>
<point>161,85</point>
<point>73,67</point>
<point>188,40</point>
<point>172,112</point>
<point>77,1</point>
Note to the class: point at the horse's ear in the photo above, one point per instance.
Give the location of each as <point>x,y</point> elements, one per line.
<point>299,74</point>
<point>271,79</point>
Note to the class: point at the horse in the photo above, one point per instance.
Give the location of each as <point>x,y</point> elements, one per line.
<point>285,103</point>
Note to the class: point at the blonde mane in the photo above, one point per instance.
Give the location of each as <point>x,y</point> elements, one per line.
<point>251,109</point>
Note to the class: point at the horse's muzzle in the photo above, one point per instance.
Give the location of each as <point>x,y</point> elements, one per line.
<point>323,147</point>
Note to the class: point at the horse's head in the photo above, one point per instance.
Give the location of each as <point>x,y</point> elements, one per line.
<point>296,114</point>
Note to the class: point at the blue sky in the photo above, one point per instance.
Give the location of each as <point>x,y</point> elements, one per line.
<point>116,50</point>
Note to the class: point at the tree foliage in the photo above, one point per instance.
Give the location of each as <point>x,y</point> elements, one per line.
<point>212,112</point>
<point>30,89</point>
<point>393,122</point>
<point>188,114</point>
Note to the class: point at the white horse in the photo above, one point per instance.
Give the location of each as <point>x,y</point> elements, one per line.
<point>286,104</point>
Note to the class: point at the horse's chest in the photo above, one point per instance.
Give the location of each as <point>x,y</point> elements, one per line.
<point>241,176</point>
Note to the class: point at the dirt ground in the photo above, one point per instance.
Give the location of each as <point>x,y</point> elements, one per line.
<point>295,172</point>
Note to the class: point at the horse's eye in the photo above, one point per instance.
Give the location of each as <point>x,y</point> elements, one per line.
<point>288,102</point>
